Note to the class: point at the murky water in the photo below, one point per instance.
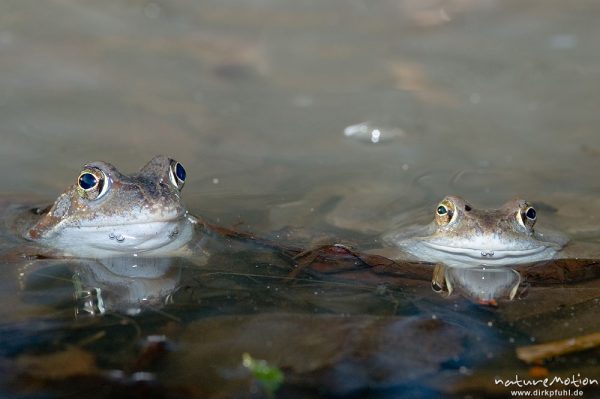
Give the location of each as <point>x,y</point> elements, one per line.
<point>488,100</point>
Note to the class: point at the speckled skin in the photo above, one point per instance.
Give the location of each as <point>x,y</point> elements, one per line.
<point>476,236</point>
<point>139,214</point>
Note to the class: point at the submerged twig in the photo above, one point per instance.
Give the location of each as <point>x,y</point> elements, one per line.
<point>538,353</point>
<point>91,339</point>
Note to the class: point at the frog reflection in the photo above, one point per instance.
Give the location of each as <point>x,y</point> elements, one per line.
<point>464,236</point>
<point>482,284</point>
<point>107,213</point>
<point>123,285</point>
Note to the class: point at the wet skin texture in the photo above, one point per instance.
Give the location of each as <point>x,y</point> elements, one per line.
<point>107,213</point>
<point>462,235</point>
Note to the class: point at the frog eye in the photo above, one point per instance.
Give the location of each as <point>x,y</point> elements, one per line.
<point>92,184</point>
<point>444,213</point>
<point>439,282</point>
<point>177,174</point>
<point>530,213</point>
<point>527,217</point>
<point>436,287</point>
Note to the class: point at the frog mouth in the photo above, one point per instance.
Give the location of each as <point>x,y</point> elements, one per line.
<point>489,254</point>
<point>136,237</point>
<point>45,229</point>
<point>133,238</point>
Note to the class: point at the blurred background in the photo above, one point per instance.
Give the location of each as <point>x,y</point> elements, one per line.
<point>267,103</point>
<point>345,118</point>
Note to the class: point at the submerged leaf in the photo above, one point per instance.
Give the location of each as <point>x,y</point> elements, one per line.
<point>270,377</point>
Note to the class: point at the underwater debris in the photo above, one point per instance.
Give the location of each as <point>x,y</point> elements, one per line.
<point>269,377</point>
<point>541,352</point>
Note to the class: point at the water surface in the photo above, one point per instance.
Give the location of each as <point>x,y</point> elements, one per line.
<point>484,99</point>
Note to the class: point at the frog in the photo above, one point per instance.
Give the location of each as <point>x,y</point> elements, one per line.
<point>106,213</point>
<point>462,235</point>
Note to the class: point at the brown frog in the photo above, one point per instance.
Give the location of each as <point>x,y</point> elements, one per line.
<point>463,236</point>
<point>107,213</point>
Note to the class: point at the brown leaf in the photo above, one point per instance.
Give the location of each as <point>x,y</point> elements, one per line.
<point>72,362</point>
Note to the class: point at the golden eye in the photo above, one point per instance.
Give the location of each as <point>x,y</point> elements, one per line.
<point>444,212</point>
<point>92,183</point>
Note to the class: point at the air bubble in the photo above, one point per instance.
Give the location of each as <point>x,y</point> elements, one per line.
<point>367,132</point>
